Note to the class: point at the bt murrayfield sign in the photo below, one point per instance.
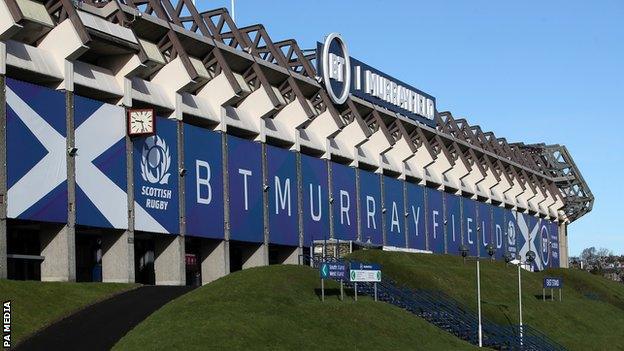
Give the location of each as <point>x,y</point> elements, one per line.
<point>344,75</point>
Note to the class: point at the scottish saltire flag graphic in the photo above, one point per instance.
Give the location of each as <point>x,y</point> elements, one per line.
<point>529,238</point>
<point>36,153</point>
<point>101,186</point>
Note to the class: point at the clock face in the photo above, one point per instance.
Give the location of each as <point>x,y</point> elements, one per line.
<point>140,122</point>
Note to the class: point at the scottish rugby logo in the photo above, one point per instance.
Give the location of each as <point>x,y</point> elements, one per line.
<point>155,161</point>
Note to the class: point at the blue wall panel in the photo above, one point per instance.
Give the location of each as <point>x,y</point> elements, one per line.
<point>315,199</point>
<point>543,242</point>
<point>370,207</point>
<point>453,223</point>
<point>554,244</point>
<point>203,160</point>
<point>245,190</point>
<point>156,179</point>
<point>283,206</point>
<point>395,213</point>
<point>345,201</point>
<point>101,182</point>
<point>499,232</point>
<point>416,216</point>
<point>485,234</point>
<point>36,153</point>
<point>511,233</point>
<point>435,220</point>
<point>469,222</point>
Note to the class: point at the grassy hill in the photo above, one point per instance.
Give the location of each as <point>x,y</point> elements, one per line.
<point>590,317</point>
<point>35,304</point>
<point>278,308</point>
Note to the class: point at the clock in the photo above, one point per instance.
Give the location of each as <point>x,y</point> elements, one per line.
<point>141,122</point>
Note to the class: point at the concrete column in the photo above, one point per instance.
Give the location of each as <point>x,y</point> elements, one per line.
<point>118,257</point>
<point>563,245</point>
<point>169,264</point>
<point>59,249</point>
<point>256,256</point>
<point>215,260</point>
<point>292,257</point>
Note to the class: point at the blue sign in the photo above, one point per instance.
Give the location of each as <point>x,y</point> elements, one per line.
<point>435,221</point>
<point>364,266</point>
<point>283,204</point>
<point>245,188</point>
<point>485,232</point>
<point>333,270</point>
<point>36,153</point>
<point>156,179</point>
<point>554,244</point>
<point>395,213</point>
<point>101,182</point>
<point>343,74</point>
<point>315,199</point>
<point>553,283</point>
<point>499,232</point>
<point>453,217</point>
<point>416,216</point>
<point>511,233</point>
<point>469,222</point>
<point>370,207</point>
<point>345,201</point>
<point>543,245</point>
<point>203,160</point>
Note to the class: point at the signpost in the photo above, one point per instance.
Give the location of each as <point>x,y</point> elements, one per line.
<point>552,283</point>
<point>365,272</point>
<point>332,270</point>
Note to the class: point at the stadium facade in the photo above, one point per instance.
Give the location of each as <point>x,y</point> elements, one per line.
<point>146,141</point>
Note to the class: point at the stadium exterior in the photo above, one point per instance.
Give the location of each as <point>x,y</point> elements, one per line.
<point>260,148</point>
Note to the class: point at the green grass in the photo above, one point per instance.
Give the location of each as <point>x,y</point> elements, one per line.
<point>590,317</point>
<point>277,308</point>
<point>35,304</point>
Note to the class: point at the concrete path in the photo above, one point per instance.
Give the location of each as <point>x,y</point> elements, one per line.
<point>100,326</point>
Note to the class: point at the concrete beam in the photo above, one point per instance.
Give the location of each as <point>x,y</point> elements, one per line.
<point>118,257</point>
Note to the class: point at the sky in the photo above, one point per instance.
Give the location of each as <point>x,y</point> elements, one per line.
<point>530,71</point>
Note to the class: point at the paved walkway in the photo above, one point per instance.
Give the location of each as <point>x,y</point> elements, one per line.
<point>100,326</point>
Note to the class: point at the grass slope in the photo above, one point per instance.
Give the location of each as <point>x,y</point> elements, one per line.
<point>277,308</point>
<point>591,316</point>
<point>35,304</point>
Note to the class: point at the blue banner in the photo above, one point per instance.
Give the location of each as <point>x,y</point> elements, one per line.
<point>511,233</point>
<point>469,221</point>
<point>543,241</point>
<point>245,190</point>
<point>315,199</point>
<point>435,221</point>
<point>554,244</point>
<point>553,283</point>
<point>101,184</point>
<point>36,153</point>
<point>283,206</point>
<point>203,161</point>
<point>395,213</point>
<point>499,232</point>
<point>344,204</point>
<point>156,179</point>
<point>453,218</point>
<point>370,207</point>
<point>416,216</point>
<point>485,232</point>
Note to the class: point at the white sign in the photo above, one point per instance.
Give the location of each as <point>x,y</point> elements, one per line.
<point>358,275</point>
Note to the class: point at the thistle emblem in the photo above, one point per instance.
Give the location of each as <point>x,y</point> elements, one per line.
<point>155,161</point>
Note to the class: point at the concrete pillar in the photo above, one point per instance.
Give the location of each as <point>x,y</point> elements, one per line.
<point>215,260</point>
<point>118,257</point>
<point>256,256</point>
<point>292,257</point>
<point>169,263</point>
<point>563,245</point>
<point>59,249</point>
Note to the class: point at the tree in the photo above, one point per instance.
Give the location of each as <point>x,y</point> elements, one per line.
<point>589,254</point>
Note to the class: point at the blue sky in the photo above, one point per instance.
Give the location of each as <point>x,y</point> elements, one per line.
<point>531,71</point>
